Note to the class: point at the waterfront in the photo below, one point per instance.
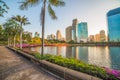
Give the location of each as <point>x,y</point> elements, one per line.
<point>101,56</point>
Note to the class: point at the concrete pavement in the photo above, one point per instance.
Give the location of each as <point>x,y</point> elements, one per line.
<point>14,67</point>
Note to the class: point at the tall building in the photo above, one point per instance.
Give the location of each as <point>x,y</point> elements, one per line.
<point>69,33</point>
<point>36,34</point>
<point>82,34</point>
<point>74,29</point>
<point>26,32</point>
<point>97,38</point>
<point>58,35</point>
<point>113,17</point>
<point>91,38</point>
<point>51,37</point>
<point>102,36</point>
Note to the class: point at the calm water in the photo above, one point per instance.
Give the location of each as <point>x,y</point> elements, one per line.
<point>101,56</point>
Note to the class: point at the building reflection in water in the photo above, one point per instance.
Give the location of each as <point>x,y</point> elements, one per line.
<point>69,52</point>
<point>83,54</point>
<point>115,57</point>
<point>61,50</point>
<point>99,56</point>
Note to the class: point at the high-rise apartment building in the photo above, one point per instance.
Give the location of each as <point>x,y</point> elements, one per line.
<point>113,17</point>
<point>82,30</point>
<point>51,37</point>
<point>97,38</point>
<point>74,29</point>
<point>36,34</point>
<point>102,36</point>
<point>68,33</point>
<point>58,35</point>
<point>91,38</point>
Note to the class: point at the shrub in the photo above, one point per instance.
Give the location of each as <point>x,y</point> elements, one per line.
<point>78,66</point>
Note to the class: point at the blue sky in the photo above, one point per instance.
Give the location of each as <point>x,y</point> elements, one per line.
<point>91,11</point>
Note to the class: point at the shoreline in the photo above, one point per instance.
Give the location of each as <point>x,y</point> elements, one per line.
<point>65,44</point>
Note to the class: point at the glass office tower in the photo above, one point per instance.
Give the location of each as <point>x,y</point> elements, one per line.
<point>74,29</point>
<point>82,32</point>
<point>113,17</point>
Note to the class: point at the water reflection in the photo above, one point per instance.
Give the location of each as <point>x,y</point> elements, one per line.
<point>115,57</point>
<point>83,54</point>
<point>101,56</point>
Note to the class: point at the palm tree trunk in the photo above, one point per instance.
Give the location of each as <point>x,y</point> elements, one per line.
<point>14,40</point>
<point>21,37</point>
<point>43,26</point>
<point>8,42</point>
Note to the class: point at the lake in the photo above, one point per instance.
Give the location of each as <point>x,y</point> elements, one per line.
<point>100,56</point>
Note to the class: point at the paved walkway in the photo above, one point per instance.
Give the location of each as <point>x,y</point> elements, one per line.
<point>14,67</point>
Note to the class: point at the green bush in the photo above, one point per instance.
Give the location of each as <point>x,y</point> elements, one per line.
<point>78,66</point>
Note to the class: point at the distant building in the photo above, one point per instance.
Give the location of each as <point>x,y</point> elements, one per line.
<point>113,17</point>
<point>74,29</point>
<point>102,36</point>
<point>97,38</point>
<point>51,37</point>
<point>58,35</point>
<point>69,33</point>
<point>30,33</point>
<point>36,34</point>
<point>91,38</point>
<point>82,34</point>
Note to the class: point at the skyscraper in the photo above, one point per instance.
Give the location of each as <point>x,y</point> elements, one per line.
<point>69,33</point>
<point>102,36</point>
<point>74,29</point>
<point>91,38</point>
<point>58,35</point>
<point>113,17</point>
<point>97,38</point>
<point>82,32</point>
<point>51,37</point>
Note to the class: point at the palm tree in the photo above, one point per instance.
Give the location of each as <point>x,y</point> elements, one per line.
<point>22,21</point>
<point>50,3</point>
<point>3,8</point>
<point>10,29</point>
<point>27,37</point>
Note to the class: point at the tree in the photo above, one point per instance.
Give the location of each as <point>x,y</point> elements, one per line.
<point>11,27</point>
<point>3,8</point>
<point>22,21</point>
<point>1,33</point>
<point>29,3</point>
<point>27,37</point>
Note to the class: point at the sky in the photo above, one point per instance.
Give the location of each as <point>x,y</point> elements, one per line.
<point>91,11</point>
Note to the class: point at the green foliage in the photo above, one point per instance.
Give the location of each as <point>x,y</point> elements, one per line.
<point>55,41</point>
<point>71,42</point>
<point>3,42</point>
<point>77,65</point>
<point>3,8</point>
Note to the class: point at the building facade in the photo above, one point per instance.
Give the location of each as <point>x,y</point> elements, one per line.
<point>102,36</point>
<point>51,37</point>
<point>113,17</point>
<point>68,33</point>
<point>58,35</point>
<point>91,38</point>
<point>97,38</point>
<point>82,32</point>
<point>74,30</point>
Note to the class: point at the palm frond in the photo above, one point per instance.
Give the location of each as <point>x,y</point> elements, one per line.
<point>57,2</point>
<point>29,3</point>
<point>51,12</point>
